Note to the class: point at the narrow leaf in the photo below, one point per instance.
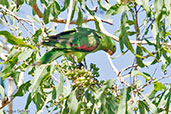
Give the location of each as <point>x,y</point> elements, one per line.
<point>159,86</point>
<point>66,4</point>
<point>124,32</point>
<point>46,15</point>
<point>72,103</point>
<point>2,92</point>
<point>36,36</point>
<point>152,107</point>
<point>122,104</point>
<point>25,54</point>
<point>13,40</point>
<point>40,73</point>
<point>139,60</point>
<point>29,99</point>
<point>23,89</point>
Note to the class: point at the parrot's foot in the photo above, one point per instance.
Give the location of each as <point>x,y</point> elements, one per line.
<point>80,65</point>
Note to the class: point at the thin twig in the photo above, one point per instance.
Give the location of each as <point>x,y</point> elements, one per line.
<point>64,21</point>
<point>137,38</point>
<point>10,90</point>
<point>85,20</point>
<point>19,19</point>
<point>12,28</point>
<point>109,59</point>
<point>26,28</point>
<point>13,15</point>
<point>112,65</point>
<point>127,68</point>
<point>8,99</point>
<point>71,4</point>
<point>91,18</point>
<point>151,81</point>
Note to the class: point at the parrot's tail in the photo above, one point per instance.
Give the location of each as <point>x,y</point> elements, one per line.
<point>49,56</point>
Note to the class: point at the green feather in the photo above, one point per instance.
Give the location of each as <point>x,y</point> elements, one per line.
<point>50,56</point>
<point>78,42</point>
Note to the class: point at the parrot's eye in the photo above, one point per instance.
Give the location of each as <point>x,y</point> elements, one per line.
<point>114,46</point>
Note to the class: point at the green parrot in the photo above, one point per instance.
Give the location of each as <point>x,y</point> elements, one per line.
<point>78,42</point>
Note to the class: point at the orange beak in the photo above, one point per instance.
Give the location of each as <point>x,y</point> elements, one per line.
<point>109,52</point>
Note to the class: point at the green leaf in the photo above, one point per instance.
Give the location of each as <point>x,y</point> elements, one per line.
<point>100,91</point>
<point>35,37</point>
<point>121,42</point>
<point>158,4</point>
<point>46,15</point>
<point>91,12</point>
<point>143,107</point>
<point>6,71</point>
<point>39,100</point>
<point>72,103</point>
<point>124,18</point>
<point>60,86</point>
<point>145,50</point>
<point>16,76</point>
<point>43,2</point>
<point>145,5</point>
<point>157,46</point>
<point>111,104</point>
<point>2,93</point>
<point>48,98</point>
<point>80,18</point>
<point>55,9</point>
<point>13,40</point>
<point>20,2</point>
<point>13,57</point>
<point>101,5</point>
<point>152,107</point>
<point>4,2</point>
<point>29,99</point>
<point>23,89</point>
<point>168,101</point>
<point>131,33</point>
<point>122,105</point>
<point>162,99</point>
<point>40,73</point>
<point>145,75</point>
<point>117,9</point>
<point>139,60</point>
<point>25,54</point>
<point>97,24</point>
<point>152,94</point>
<point>66,5</point>
<point>159,86</point>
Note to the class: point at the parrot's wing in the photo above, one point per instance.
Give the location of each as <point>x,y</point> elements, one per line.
<point>78,39</point>
<point>50,56</point>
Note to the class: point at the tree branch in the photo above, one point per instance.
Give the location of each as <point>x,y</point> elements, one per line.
<point>152,81</point>
<point>71,4</point>
<point>19,19</point>
<point>64,21</point>
<point>85,20</point>
<point>112,65</point>
<point>10,90</point>
<point>13,15</point>
<point>8,99</point>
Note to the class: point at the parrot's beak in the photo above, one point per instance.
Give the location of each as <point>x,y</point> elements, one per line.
<point>110,52</point>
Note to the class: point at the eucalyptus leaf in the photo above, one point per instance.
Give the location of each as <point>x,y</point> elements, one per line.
<point>13,40</point>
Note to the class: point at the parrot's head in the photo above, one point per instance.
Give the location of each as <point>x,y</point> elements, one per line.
<point>111,48</point>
